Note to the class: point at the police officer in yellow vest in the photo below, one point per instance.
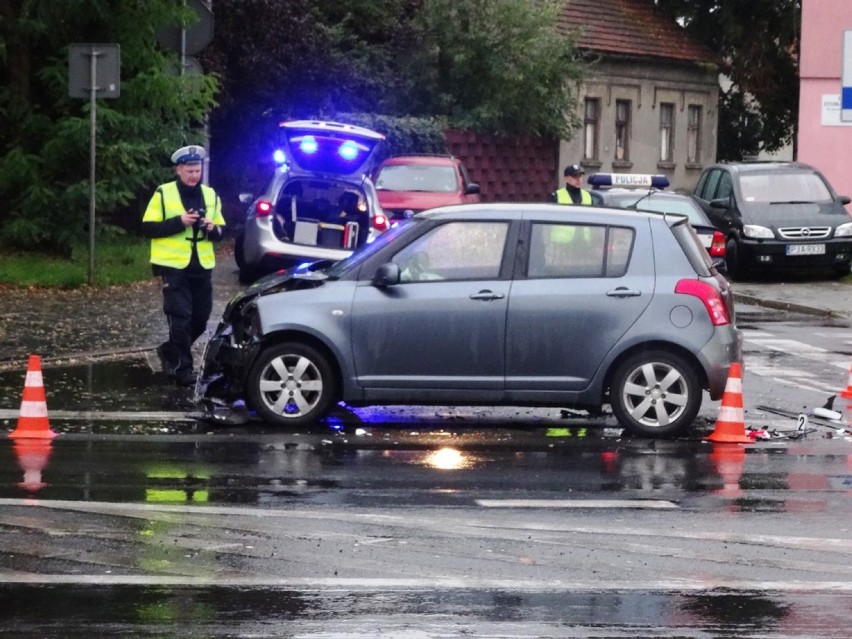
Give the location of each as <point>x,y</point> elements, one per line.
<point>572,193</point>
<point>183,219</point>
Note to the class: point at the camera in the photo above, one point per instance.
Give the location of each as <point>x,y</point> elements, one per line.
<point>198,225</point>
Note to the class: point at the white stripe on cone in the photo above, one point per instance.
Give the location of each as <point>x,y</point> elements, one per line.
<point>33,409</point>
<point>731,414</point>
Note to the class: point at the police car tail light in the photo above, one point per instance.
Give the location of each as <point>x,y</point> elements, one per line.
<point>262,208</point>
<point>717,246</point>
<point>380,222</point>
<point>710,297</point>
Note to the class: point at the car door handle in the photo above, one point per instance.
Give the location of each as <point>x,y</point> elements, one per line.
<point>623,291</point>
<point>487,296</point>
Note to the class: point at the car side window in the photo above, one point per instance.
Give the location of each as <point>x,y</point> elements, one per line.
<point>710,187</point>
<point>725,187</point>
<point>573,250</point>
<point>454,251</point>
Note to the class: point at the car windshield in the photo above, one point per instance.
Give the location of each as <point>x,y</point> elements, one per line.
<point>366,250</point>
<point>653,204</point>
<point>417,177</point>
<point>784,187</point>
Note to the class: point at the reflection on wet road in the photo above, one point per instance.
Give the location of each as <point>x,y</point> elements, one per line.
<point>277,612</point>
<point>138,520</point>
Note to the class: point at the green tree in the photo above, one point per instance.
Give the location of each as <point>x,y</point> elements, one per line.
<point>44,134</point>
<point>495,65</point>
<point>488,65</point>
<point>758,43</point>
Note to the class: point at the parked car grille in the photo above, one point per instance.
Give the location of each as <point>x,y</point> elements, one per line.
<point>805,232</point>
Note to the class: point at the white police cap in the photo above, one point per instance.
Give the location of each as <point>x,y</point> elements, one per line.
<point>189,154</point>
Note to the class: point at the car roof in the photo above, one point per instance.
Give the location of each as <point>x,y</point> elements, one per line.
<point>424,160</point>
<point>760,167</point>
<point>648,197</point>
<point>517,210</point>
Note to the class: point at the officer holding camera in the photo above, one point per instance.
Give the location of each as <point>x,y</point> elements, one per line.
<point>183,219</point>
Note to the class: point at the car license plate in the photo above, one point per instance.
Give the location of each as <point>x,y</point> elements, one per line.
<point>806,249</point>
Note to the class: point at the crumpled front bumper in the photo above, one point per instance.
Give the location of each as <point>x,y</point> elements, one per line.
<point>224,365</point>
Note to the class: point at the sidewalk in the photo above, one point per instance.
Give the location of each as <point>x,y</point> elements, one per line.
<point>814,297</point>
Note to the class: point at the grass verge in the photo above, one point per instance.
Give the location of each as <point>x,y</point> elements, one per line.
<point>120,260</point>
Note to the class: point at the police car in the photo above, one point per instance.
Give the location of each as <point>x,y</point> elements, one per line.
<point>645,192</point>
<point>320,204</point>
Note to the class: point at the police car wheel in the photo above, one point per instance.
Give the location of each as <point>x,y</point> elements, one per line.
<point>655,394</point>
<point>291,385</point>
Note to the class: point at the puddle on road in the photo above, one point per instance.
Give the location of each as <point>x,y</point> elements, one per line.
<point>125,385</point>
<point>430,467</point>
<point>435,450</point>
<point>274,611</point>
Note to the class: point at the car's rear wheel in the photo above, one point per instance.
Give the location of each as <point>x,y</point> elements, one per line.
<point>291,385</point>
<point>655,394</point>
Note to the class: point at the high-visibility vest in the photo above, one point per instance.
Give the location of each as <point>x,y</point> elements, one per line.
<point>563,197</point>
<point>175,251</point>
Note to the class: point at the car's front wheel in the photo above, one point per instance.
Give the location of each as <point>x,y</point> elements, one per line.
<point>291,385</point>
<point>733,260</point>
<point>655,394</point>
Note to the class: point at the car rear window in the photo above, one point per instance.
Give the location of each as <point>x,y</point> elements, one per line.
<point>692,247</point>
<point>417,177</point>
<point>664,205</point>
<point>783,187</point>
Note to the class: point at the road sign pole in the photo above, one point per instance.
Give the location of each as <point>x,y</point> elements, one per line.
<point>93,105</point>
<point>93,71</point>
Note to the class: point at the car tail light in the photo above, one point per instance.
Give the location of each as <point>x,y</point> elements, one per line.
<point>262,208</point>
<point>380,222</point>
<point>717,246</point>
<point>711,298</point>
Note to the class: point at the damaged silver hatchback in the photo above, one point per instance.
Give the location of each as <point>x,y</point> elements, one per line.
<point>487,304</point>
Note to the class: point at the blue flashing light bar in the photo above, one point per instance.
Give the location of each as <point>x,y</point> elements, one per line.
<point>629,180</point>
<point>348,150</point>
<point>307,144</point>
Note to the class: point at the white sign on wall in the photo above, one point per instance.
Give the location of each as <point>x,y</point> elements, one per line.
<point>831,111</point>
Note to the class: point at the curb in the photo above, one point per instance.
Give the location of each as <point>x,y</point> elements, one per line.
<point>785,306</point>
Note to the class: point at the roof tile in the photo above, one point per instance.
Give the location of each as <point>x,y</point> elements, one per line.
<point>631,27</point>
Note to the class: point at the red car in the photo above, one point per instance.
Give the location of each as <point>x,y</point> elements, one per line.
<point>408,184</point>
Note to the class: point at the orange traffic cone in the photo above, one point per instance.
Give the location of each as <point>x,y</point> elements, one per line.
<point>32,421</point>
<point>32,457</point>
<point>728,460</point>
<point>730,426</point>
<point>848,392</point>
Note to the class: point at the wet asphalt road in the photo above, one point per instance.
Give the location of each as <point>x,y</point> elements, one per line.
<point>140,521</point>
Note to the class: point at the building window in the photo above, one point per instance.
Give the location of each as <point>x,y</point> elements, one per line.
<point>622,129</point>
<point>591,127</point>
<point>666,132</point>
<point>693,135</point>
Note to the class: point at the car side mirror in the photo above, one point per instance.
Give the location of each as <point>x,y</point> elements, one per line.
<point>844,199</point>
<point>721,203</point>
<point>472,189</point>
<point>386,275</point>
<point>246,198</point>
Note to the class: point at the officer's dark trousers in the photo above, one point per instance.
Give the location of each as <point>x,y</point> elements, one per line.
<point>187,303</point>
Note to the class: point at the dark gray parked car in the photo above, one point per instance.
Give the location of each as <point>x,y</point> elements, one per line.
<point>488,304</point>
<point>777,215</point>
